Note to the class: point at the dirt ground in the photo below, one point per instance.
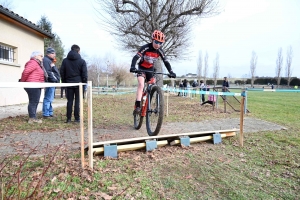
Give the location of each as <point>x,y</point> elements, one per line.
<point>15,143</point>
<point>250,125</point>
<point>70,139</point>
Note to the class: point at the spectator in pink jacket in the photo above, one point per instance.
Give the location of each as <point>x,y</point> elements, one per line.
<point>211,99</point>
<point>34,72</point>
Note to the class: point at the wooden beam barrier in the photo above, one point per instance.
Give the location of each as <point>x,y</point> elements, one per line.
<point>159,137</point>
<point>162,140</point>
<point>130,147</point>
<point>203,138</point>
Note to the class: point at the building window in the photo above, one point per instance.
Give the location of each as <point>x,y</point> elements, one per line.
<point>6,53</point>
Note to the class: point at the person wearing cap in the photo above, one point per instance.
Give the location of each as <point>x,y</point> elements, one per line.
<point>53,77</point>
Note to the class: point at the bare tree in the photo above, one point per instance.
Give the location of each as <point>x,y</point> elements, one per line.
<point>199,66</point>
<point>120,73</point>
<point>131,22</point>
<point>216,69</point>
<point>253,63</point>
<point>288,69</point>
<point>96,69</point>
<point>7,4</point>
<point>278,69</point>
<point>205,71</point>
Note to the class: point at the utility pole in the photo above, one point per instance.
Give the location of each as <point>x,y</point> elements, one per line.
<point>98,79</point>
<point>107,67</point>
<point>107,80</point>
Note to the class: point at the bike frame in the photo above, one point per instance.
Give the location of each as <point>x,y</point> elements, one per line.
<point>153,114</point>
<point>147,94</point>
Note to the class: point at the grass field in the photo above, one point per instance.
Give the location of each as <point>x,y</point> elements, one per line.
<point>267,167</point>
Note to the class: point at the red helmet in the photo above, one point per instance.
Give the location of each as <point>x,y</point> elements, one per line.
<point>158,35</point>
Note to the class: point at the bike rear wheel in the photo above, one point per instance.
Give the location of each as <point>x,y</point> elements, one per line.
<point>138,119</point>
<point>154,116</point>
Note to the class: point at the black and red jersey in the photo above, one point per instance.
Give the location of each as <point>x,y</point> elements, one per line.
<point>148,56</point>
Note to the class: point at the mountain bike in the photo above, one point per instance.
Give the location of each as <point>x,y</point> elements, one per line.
<point>152,105</point>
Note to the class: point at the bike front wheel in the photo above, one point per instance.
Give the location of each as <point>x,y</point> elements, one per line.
<point>154,117</point>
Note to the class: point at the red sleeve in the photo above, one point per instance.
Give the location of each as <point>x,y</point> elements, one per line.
<point>29,67</point>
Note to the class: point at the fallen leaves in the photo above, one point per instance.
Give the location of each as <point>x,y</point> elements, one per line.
<point>112,188</point>
<point>103,195</point>
<point>189,176</point>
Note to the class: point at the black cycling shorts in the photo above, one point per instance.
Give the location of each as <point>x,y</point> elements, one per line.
<point>148,76</point>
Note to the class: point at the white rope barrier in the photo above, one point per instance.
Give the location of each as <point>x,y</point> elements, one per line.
<point>193,91</point>
<point>36,84</point>
<point>44,85</point>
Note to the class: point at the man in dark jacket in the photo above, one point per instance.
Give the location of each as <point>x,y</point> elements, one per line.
<point>53,77</point>
<point>73,70</point>
<point>225,85</point>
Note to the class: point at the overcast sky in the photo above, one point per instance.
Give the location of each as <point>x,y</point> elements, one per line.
<point>244,26</point>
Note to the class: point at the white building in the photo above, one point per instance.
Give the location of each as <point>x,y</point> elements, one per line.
<point>18,39</point>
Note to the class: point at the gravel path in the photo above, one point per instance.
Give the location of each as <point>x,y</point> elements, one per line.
<point>70,139</point>
<point>21,109</point>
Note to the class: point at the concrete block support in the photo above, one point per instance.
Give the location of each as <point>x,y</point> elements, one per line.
<point>151,145</point>
<point>185,141</point>
<point>110,151</point>
<point>217,138</point>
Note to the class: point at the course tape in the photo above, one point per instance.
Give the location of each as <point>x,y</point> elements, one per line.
<point>272,90</point>
<point>202,92</point>
<point>112,92</point>
<point>36,84</point>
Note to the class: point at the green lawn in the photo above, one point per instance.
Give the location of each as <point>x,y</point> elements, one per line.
<point>267,167</point>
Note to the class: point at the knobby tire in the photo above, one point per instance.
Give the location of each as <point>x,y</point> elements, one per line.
<point>154,116</point>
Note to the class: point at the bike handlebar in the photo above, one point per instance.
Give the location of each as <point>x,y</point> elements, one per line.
<point>147,71</point>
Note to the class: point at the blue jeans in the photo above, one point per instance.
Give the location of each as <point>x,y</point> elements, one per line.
<point>34,95</point>
<point>47,103</point>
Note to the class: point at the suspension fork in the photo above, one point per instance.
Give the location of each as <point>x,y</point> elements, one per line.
<point>146,92</point>
<point>148,99</point>
<point>145,107</point>
<point>148,103</point>
<point>157,102</point>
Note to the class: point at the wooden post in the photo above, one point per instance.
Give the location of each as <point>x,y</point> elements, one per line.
<point>217,99</point>
<point>167,103</point>
<point>241,135</point>
<point>85,94</point>
<point>225,98</point>
<point>224,104</point>
<point>81,124</point>
<point>90,124</point>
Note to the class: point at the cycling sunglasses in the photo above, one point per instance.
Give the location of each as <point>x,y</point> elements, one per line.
<point>157,42</point>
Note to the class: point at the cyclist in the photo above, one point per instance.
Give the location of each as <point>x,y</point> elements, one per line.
<point>148,54</point>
